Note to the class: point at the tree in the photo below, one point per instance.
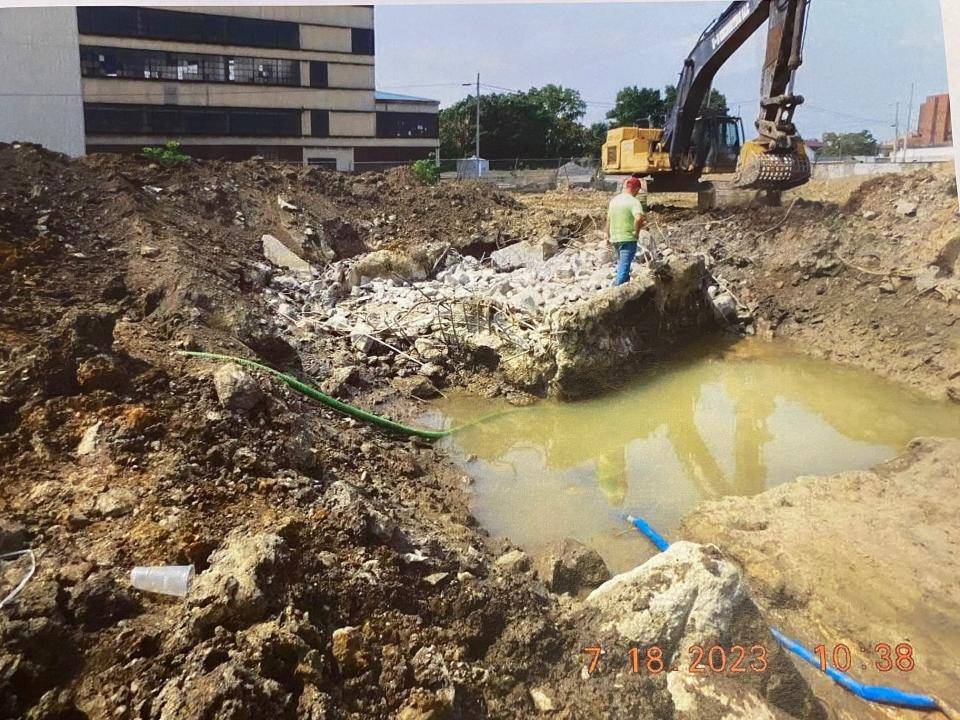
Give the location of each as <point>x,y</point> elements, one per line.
<point>542,122</point>
<point>559,102</point>
<point>859,143</point>
<point>593,139</point>
<point>563,107</point>
<point>634,105</point>
<point>716,102</point>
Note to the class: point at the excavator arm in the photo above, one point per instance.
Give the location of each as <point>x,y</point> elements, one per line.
<point>776,159</point>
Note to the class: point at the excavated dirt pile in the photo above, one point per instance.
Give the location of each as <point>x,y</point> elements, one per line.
<point>339,574</point>
<point>870,279</point>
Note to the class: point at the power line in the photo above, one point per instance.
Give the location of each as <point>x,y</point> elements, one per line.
<point>838,113</point>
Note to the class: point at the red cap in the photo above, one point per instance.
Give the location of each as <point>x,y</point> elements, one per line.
<point>632,182</point>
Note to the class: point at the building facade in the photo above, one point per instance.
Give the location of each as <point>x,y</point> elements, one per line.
<point>289,83</point>
<point>40,93</point>
<point>935,126</point>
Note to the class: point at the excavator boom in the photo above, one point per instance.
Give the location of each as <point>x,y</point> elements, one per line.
<point>694,142</point>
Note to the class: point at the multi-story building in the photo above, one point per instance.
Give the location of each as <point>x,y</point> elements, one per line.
<point>935,126</point>
<point>284,82</point>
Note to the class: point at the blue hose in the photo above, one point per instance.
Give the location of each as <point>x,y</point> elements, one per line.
<point>652,535</point>
<point>871,693</point>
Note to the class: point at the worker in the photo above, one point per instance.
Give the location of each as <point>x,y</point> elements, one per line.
<point>624,222</point>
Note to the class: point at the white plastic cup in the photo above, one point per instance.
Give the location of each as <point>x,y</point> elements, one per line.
<point>165,579</point>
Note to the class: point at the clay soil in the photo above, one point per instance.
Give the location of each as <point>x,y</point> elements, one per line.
<point>116,452</point>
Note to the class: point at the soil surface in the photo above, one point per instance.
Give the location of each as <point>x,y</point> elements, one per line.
<point>839,583</point>
<point>340,572</point>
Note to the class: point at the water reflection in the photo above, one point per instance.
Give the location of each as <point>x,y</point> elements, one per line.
<point>725,421</point>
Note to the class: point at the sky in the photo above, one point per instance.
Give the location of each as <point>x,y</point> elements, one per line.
<point>860,57</point>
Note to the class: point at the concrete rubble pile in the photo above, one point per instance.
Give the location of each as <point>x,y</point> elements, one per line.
<point>509,310</point>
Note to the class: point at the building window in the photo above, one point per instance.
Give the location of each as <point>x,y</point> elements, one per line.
<point>318,74</point>
<point>178,120</point>
<point>407,125</point>
<point>362,41</point>
<point>324,163</point>
<point>320,123</point>
<point>105,62</point>
<point>137,22</point>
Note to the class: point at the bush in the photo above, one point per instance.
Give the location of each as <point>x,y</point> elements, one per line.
<point>169,154</point>
<point>426,171</point>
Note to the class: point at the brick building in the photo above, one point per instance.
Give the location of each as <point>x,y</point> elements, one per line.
<point>934,126</point>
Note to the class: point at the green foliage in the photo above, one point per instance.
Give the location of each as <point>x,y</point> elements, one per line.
<point>635,105</point>
<point>858,143</point>
<point>169,154</point>
<point>594,138</point>
<point>540,123</point>
<point>426,171</point>
<point>545,122</point>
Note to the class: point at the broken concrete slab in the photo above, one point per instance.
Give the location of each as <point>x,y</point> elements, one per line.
<point>524,254</point>
<point>385,264</point>
<point>282,256</point>
<point>89,442</point>
<point>905,208</point>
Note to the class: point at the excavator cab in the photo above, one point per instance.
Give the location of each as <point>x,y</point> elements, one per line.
<point>716,143</point>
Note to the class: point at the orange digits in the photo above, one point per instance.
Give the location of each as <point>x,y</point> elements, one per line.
<point>654,658</point>
<point>761,656</point>
<point>596,652</point>
<point>696,665</point>
<point>723,659</point>
<point>735,667</point>
<point>905,657</point>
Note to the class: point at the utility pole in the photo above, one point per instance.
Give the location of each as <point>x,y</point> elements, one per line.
<point>477,151</point>
<point>896,133</point>
<point>909,115</point>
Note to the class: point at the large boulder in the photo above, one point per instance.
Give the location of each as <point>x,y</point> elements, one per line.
<point>686,597</point>
<point>241,583</point>
<point>572,567</point>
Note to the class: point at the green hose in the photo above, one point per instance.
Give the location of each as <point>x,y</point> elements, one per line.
<point>343,407</point>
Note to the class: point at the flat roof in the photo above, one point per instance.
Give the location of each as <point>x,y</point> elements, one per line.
<point>397,97</point>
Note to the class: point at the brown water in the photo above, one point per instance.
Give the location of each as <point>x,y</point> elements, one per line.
<point>731,420</point>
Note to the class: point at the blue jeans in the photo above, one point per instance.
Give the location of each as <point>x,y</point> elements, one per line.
<point>627,251</point>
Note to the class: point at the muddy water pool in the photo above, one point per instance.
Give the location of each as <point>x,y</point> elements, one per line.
<point>730,419</point>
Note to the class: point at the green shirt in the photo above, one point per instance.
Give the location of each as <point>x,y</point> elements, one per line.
<point>622,214</point>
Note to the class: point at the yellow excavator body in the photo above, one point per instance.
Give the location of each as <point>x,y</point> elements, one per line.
<point>636,151</point>
<point>629,151</point>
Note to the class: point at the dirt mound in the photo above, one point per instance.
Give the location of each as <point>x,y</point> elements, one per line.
<point>346,579</point>
<point>873,282</point>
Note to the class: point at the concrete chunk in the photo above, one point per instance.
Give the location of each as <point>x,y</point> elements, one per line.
<point>279,254</point>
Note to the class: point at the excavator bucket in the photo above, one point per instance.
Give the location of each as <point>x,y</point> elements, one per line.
<point>759,168</point>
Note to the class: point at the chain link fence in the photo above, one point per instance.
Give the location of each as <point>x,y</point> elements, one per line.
<point>525,174</point>
<point>522,174</point>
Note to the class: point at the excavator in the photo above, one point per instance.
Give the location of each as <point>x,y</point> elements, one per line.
<point>695,142</point>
